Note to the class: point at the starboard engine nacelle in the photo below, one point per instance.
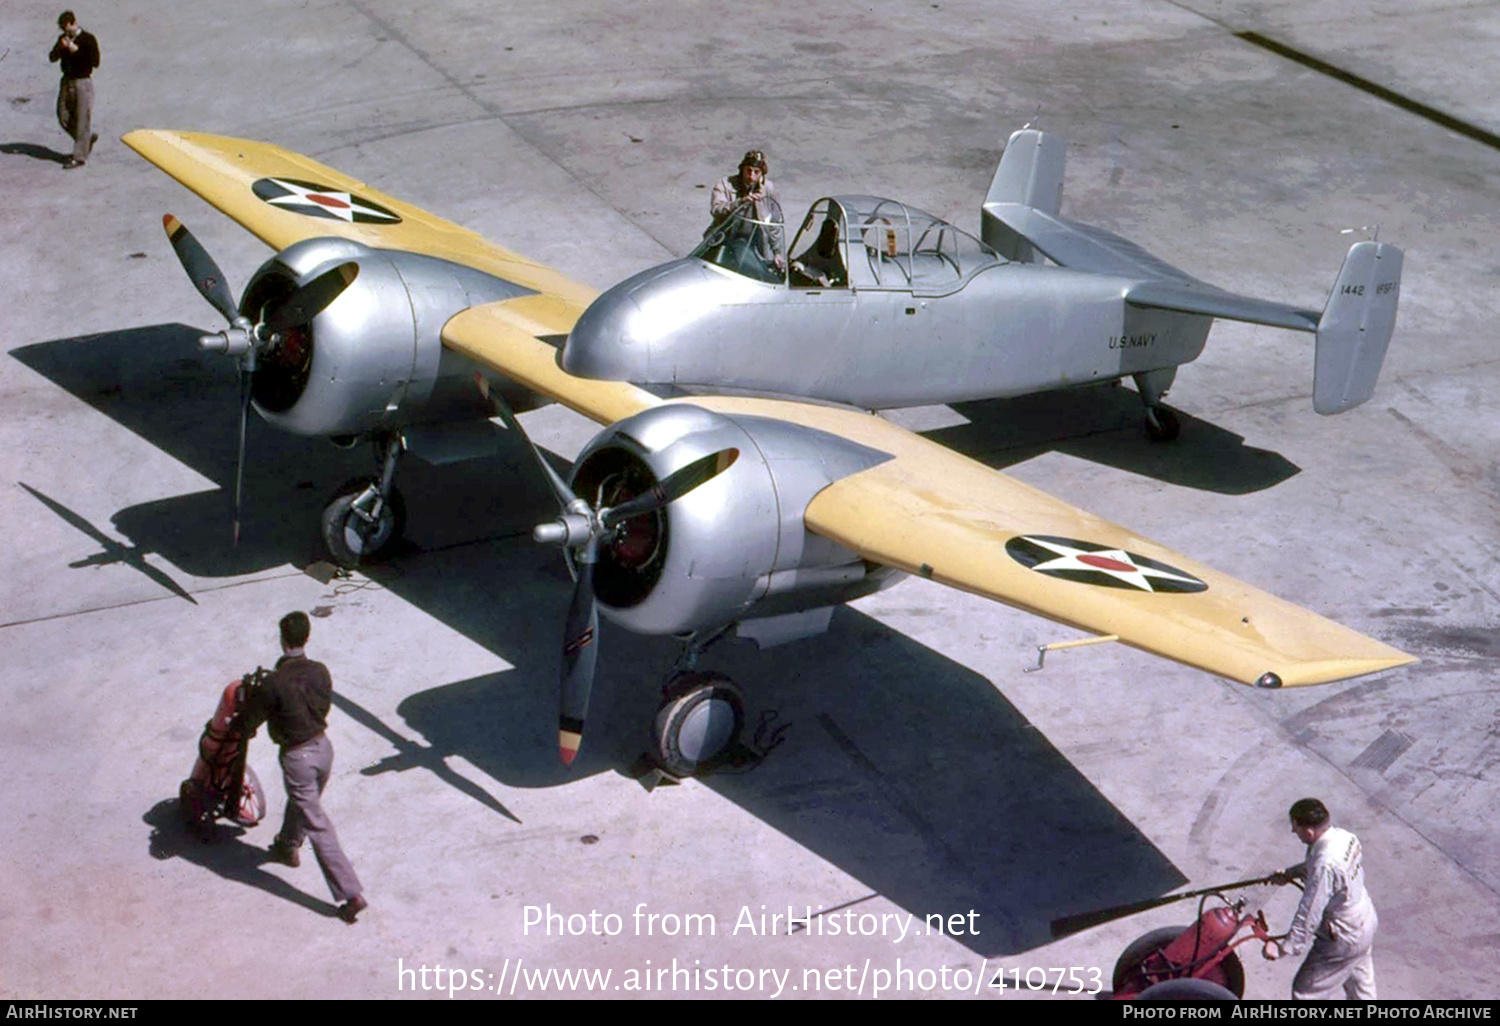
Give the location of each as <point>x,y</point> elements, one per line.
<point>373,359</point>
<point>733,548</point>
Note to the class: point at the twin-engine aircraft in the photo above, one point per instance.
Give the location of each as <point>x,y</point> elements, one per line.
<point>693,514</point>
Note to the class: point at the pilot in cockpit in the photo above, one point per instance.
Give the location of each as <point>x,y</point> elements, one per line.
<point>750,186</point>
<point>747,220</point>
<point>821,263</point>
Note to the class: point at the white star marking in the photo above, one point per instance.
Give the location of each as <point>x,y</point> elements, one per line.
<point>341,205</point>
<point>1117,563</point>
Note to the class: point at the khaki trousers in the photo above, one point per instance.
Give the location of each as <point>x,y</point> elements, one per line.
<point>75,112</point>
<point>305,770</point>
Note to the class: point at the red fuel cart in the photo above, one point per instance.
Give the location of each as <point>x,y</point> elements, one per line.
<point>222,785</point>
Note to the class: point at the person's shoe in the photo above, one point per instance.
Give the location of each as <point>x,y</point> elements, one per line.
<point>287,856</point>
<point>350,910</point>
<point>93,139</point>
<point>70,164</point>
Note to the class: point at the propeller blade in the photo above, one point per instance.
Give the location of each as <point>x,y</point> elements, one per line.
<point>677,484</point>
<point>580,654</point>
<point>309,300</point>
<point>200,267</point>
<point>565,496</point>
<point>239,460</point>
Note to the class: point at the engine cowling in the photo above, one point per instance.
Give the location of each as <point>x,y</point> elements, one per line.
<point>734,548</point>
<point>373,359</point>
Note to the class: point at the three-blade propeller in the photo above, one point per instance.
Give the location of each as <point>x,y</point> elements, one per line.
<point>244,339</point>
<point>582,529</point>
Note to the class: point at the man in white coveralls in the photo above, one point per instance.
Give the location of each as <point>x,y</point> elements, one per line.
<point>1336,913</point>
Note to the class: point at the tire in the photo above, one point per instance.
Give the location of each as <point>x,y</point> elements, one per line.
<point>1128,965</point>
<point>1186,990</point>
<point>1234,974</point>
<point>1162,424</point>
<point>701,718</point>
<point>194,804</point>
<point>347,537</point>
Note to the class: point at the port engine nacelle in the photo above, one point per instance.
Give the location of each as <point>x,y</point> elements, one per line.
<point>373,359</point>
<point>734,548</point>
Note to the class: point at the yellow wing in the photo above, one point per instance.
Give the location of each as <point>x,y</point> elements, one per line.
<point>936,513</point>
<point>501,336</point>
<point>282,197</point>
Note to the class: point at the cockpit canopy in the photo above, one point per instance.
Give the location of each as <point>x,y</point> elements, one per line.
<point>863,242</point>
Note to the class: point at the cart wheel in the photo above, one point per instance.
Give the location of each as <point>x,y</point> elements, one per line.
<point>1186,990</point>
<point>1129,963</point>
<point>1234,974</point>
<point>193,803</point>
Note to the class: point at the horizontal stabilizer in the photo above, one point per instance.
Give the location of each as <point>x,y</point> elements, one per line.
<point>1080,246</point>
<point>1356,327</point>
<point>1199,298</point>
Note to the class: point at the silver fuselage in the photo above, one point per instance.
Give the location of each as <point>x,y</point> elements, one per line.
<point>1009,329</point>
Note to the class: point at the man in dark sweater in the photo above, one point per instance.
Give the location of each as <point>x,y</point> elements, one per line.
<point>294,702</point>
<point>79,53</point>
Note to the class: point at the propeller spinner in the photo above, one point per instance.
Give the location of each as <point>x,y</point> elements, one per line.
<point>243,338</point>
<point>581,529</point>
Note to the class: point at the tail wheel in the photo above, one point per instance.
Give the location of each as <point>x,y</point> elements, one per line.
<point>1162,424</point>
<point>700,720</point>
<point>351,538</point>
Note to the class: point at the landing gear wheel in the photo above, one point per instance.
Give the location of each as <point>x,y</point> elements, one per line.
<point>1162,424</point>
<point>349,537</point>
<point>1186,990</point>
<point>701,718</point>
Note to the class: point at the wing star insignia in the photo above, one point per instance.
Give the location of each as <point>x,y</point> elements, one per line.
<point>1089,563</point>
<point>317,200</point>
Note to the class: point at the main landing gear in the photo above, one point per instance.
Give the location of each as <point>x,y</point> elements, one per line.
<point>366,514</point>
<point>701,716</point>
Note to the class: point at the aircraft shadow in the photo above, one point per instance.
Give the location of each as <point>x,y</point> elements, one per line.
<point>901,767</point>
<point>1104,425</point>
<point>157,383</point>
